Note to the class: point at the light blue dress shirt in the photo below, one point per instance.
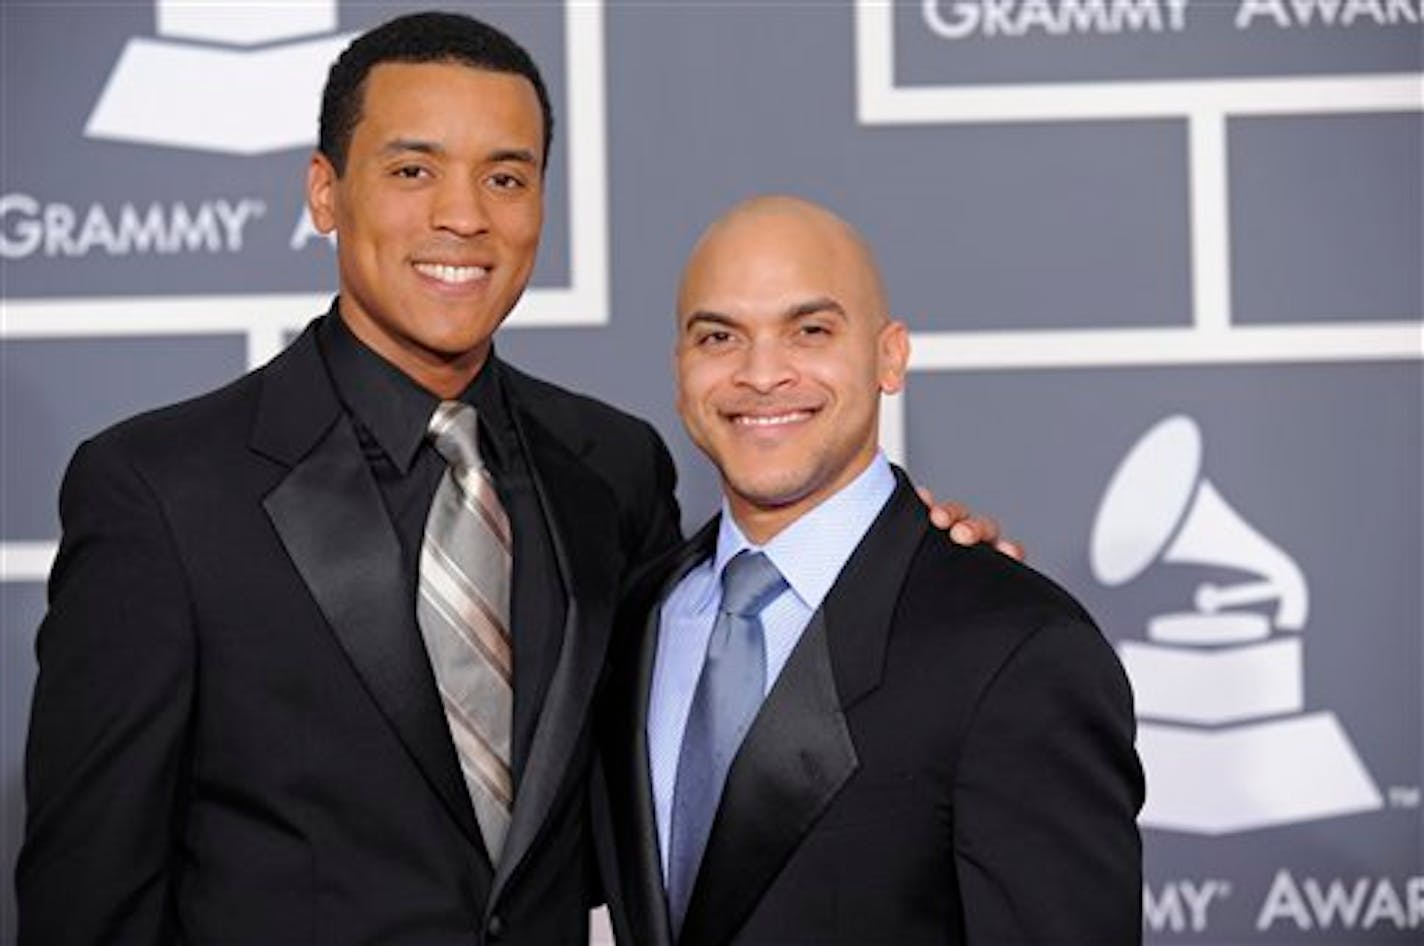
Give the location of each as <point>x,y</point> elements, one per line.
<point>809,553</point>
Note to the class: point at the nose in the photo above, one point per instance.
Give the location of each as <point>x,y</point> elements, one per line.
<point>459,208</point>
<point>765,366</point>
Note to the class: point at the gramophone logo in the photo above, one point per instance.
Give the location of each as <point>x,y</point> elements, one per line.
<point>225,77</point>
<point>1223,731</point>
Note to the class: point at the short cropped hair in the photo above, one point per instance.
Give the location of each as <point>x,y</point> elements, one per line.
<point>418,37</point>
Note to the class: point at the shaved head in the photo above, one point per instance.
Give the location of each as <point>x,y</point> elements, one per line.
<point>764,222</point>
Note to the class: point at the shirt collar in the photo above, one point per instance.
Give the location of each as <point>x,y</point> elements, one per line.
<point>393,408</point>
<point>811,552</point>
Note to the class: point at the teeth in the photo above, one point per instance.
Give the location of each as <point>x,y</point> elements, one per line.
<point>453,275</point>
<point>772,420</point>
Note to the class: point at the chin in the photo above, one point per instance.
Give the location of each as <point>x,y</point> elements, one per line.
<point>771,492</point>
<point>459,342</point>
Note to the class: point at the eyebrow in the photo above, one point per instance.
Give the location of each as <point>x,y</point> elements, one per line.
<point>433,148</point>
<point>814,306</point>
<point>420,146</point>
<point>519,155</point>
<point>799,310</point>
<point>705,315</point>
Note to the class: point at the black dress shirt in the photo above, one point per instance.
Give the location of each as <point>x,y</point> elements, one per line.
<point>390,413</point>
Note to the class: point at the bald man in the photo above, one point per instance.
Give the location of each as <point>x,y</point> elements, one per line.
<point>829,727</point>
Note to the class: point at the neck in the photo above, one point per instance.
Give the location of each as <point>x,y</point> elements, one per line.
<point>759,525</point>
<point>761,521</point>
<point>444,375</point>
<point>447,380</point>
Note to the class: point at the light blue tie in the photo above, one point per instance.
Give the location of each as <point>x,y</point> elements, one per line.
<point>729,692</point>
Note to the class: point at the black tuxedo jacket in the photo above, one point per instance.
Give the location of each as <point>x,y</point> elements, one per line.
<point>947,757</point>
<point>236,735</point>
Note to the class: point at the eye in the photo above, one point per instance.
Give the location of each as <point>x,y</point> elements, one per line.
<point>410,172</point>
<point>505,181</point>
<point>712,338</point>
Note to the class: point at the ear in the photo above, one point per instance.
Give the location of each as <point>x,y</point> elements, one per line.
<point>679,398</point>
<point>893,357</point>
<point>321,193</point>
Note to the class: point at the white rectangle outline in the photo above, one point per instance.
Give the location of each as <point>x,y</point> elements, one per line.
<point>266,319</point>
<point>881,102</point>
<point>1148,347</point>
<point>1205,104</point>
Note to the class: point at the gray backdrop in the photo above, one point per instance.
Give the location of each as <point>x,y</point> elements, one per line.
<point>1095,215</point>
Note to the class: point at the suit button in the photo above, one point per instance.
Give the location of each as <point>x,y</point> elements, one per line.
<point>496,927</point>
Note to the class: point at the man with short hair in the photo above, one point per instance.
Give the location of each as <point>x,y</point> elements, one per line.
<point>322,645</point>
<point>836,729</point>
<point>247,727</point>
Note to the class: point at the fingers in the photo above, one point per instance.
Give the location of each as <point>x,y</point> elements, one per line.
<point>965,527</point>
<point>984,529</point>
<point>971,529</point>
<point>1010,548</point>
<point>946,515</point>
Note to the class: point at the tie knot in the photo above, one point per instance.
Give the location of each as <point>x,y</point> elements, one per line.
<point>749,583</point>
<point>454,430</point>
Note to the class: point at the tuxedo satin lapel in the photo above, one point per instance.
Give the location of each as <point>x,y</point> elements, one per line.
<point>640,853</point>
<point>794,760</point>
<point>579,512</point>
<point>329,515</point>
<point>861,604</point>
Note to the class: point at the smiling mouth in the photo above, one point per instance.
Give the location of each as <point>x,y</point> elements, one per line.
<point>452,275</point>
<point>771,420</point>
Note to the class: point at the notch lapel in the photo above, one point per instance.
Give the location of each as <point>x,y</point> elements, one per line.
<point>799,751</point>
<point>861,605</point>
<point>331,520</point>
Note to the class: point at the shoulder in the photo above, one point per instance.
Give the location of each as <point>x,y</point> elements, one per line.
<point>183,429</point>
<point>990,610</point>
<point>129,484</point>
<point>622,449</point>
<point>625,453</point>
<point>290,392</point>
<point>654,579</point>
<point>1018,646</point>
<point>555,404</point>
<point>980,582</point>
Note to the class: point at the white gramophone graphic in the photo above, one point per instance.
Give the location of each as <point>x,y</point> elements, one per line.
<point>222,77</point>
<point>1223,732</point>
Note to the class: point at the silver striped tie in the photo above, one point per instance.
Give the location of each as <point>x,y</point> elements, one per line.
<point>463,611</point>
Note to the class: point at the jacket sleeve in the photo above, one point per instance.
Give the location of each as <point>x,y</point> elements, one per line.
<point>105,758</point>
<point>1046,798</point>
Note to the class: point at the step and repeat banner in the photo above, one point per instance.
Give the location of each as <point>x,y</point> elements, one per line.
<point>1161,260</point>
